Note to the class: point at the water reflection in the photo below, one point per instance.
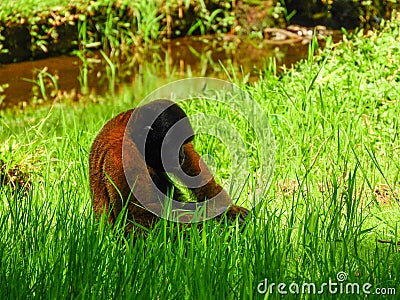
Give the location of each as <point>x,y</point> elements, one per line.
<point>94,72</point>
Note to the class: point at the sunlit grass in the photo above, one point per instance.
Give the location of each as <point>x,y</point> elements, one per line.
<point>21,11</point>
<point>334,194</point>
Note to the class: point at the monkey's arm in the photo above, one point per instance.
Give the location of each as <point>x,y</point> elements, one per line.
<point>193,165</point>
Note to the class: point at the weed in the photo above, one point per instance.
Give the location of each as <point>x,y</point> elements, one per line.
<point>43,83</point>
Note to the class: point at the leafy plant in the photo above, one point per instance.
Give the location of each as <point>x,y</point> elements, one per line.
<point>43,82</point>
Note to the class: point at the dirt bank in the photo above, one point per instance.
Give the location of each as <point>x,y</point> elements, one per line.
<point>64,29</point>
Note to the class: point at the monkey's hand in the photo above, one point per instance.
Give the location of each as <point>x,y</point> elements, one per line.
<point>235,212</point>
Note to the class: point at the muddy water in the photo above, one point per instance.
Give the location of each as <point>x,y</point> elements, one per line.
<point>195,56</point>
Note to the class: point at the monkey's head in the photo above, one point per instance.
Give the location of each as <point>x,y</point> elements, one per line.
<point>159,130</point>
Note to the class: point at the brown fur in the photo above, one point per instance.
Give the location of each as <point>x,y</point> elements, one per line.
<point>110,188</point>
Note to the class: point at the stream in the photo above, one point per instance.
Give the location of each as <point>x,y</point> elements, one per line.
<point>25,82</point>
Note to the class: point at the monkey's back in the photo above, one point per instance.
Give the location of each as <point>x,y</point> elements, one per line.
<point>108,183</point>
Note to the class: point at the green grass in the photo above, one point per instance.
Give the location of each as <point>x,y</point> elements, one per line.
<point>335,192</point>
<point>29,7</point>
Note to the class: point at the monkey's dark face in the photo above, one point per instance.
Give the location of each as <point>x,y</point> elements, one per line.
<point>160,129</point>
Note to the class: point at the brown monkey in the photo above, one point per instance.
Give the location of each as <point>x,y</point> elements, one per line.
<point>133,152</point>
